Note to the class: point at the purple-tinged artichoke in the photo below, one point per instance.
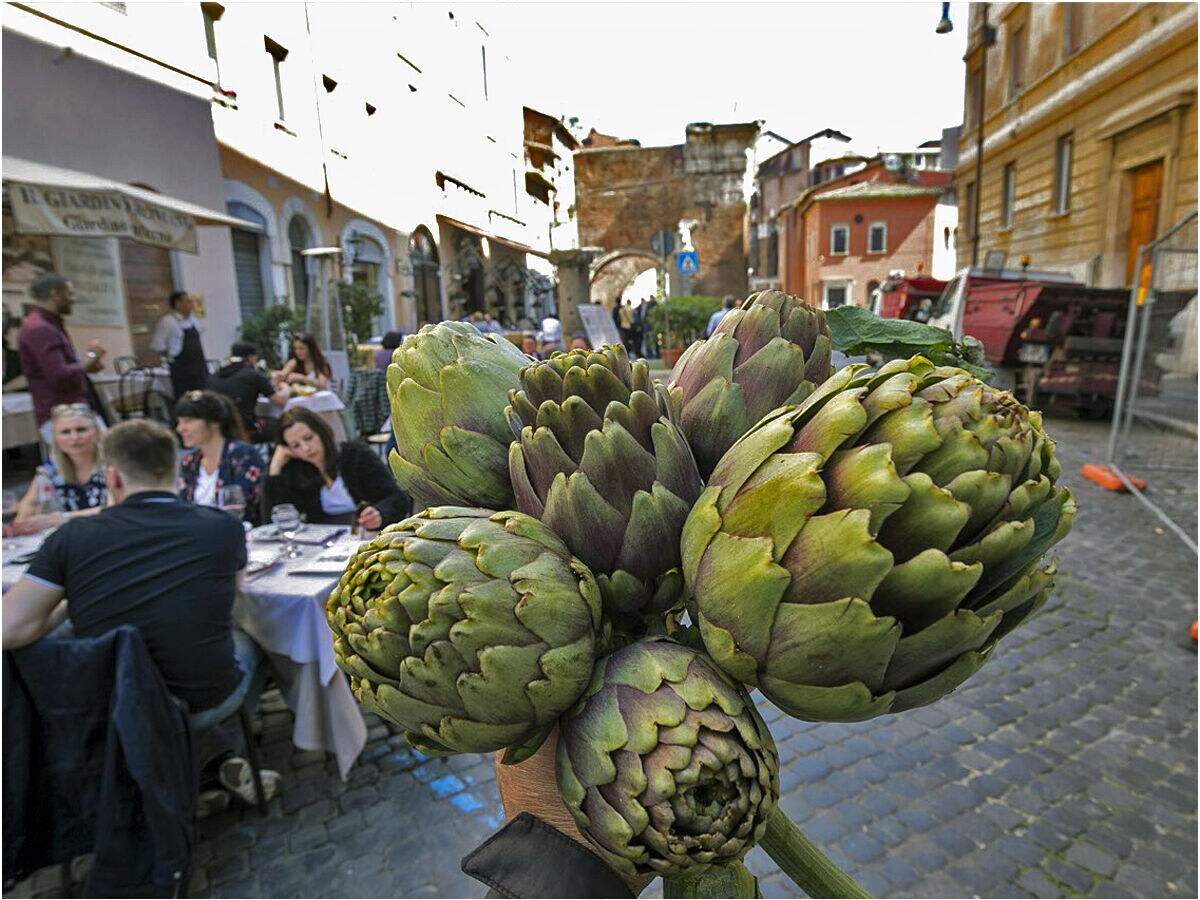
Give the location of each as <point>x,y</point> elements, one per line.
<point>665,764</point>
<point>614,478</point>
<point>863,552</point>
<point>772,350</point>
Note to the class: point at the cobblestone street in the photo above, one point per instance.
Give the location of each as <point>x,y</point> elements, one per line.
<point>1067,767</point>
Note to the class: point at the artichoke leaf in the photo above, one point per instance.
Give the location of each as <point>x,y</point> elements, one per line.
<point>830,644</point>
<point>921,655</point>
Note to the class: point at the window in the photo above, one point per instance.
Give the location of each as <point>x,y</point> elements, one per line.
<point>835,293</point>
<point>1062,173</point>
<point>278,55</point>
<point>877,237</point>
<point>974,91</point>
<point>1017,52</point>
<point>968,218</point>
<point>212,13</point>
<point>1009,197</point>
<point>1072,28</point>
<point>772,254</point>
<point>839,240</point>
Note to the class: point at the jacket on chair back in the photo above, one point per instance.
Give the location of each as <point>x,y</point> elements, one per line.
<point>97,758</point>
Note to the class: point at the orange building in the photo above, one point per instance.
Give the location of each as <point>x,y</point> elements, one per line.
<point>843,238</point>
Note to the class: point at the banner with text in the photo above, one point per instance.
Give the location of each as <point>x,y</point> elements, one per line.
<point>75,212</point>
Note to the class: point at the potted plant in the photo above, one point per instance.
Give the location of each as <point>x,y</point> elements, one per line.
<point>680,321</point>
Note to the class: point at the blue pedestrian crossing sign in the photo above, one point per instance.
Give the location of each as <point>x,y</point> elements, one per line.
<point>688,263</point>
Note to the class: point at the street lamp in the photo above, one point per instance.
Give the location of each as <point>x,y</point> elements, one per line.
<point>945,26</point>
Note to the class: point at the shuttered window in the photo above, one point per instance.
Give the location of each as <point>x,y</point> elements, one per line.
<point>251,296</point>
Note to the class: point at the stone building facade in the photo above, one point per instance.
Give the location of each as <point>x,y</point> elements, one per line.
<point>697,190</point>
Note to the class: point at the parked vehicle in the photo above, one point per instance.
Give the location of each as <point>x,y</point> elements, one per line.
<point>900,298</point>
<point>1048,337</point>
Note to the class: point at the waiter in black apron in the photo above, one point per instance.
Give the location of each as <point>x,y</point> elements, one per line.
<point>177,338</point>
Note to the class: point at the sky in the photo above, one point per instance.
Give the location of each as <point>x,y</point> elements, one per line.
<point>875,71</point>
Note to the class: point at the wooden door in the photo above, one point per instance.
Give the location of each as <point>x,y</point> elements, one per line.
<point>148,284</point>
<point>1146,192</point>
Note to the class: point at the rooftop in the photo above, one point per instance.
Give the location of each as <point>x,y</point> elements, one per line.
<point>877,190</point>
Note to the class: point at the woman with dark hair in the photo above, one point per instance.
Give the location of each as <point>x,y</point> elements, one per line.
<point>328,484</point>
<point>307,365</point>
<point>210,427</point>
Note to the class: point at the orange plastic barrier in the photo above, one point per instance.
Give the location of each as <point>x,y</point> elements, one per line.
<point>1104,477</point>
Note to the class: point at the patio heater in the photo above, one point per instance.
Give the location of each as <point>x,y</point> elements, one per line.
<point>323,318</point>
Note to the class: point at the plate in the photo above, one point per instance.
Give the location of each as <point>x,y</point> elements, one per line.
<point>265,533</point>
<point>262,559</point>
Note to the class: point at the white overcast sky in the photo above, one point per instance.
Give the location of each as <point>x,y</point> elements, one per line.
<point>875,71</point>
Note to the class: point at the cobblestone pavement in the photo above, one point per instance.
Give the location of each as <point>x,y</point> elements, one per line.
<point>1066,767</point>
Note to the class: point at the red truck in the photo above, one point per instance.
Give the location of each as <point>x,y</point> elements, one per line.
<point>900,298</point>
<point>1048,337</point>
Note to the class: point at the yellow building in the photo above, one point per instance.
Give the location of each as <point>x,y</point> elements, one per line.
<point>1089,134</point>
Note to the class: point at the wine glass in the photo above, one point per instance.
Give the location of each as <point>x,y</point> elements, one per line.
<point>286,518</point>
<point>232,499</point>
<point>11,503</point>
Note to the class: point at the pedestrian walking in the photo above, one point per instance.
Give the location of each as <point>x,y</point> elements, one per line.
<point>176,338</point>
<point>625,323</point>
<point>715,319</point>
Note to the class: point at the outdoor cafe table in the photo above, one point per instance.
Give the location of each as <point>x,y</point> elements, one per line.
<point>283,611</point>
<point>326,404</point>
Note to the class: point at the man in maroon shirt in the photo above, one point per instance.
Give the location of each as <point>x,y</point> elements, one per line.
<point>48,358</point>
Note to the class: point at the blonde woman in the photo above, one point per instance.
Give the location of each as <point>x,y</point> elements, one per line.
<point>71,483</point>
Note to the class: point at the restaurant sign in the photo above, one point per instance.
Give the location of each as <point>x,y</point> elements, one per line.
<point>76,212</point>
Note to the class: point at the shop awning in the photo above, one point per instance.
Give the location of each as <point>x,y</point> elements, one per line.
<point>49,200</point>
<point>473,229</point>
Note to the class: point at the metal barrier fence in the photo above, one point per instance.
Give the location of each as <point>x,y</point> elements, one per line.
<point>1153,433</point>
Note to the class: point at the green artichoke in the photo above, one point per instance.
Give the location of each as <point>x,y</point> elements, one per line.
<point>771,351</point>
<point>448,385</point>
<point>665,764</point>
<point>598,463</point>
<point>863,552</point>
<point>473,630</point>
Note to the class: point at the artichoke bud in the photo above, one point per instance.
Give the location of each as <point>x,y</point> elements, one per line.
<point>665,764</point>
<point>472,630</point>
<point>447,386</point>
<point>862,553</point>
<point>597,462</point>
<point>771,351</point>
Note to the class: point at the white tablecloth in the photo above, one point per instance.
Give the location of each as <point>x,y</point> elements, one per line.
<point>19,425</point>
<point>285,614</point>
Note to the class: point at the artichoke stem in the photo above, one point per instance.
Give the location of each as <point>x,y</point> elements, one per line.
<point>733,880</point>
<point>804,863</point>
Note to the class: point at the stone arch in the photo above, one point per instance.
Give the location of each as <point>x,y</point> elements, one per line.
<point>610,274</point>
<point>300,270</point>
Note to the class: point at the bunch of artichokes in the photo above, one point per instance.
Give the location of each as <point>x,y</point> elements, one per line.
<point>852,544</point>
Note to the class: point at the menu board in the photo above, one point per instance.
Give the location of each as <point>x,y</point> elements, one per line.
<point>598,323</point>
<point>93,267</point>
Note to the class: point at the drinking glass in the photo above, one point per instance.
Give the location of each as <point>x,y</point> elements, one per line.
<point>10,513</point>
<point>232,499</point>
<point>286,518</point>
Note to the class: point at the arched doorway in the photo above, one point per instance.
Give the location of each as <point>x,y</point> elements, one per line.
<point>427,278</point>
<point>300,238</point>
<point>365,269</point>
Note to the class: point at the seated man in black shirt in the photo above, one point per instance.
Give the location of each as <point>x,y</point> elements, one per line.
<point>240,381</point>
<point>167,567</point>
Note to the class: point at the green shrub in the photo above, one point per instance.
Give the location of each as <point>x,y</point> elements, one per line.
<point>688,318</point>
<point>269,330</point>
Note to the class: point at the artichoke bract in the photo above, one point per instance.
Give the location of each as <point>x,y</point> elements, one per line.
<point>771,351</point>
<point>448,385</point>
<point>665,764</point>
<point>600,465</point>
<point>473,630</point>
<point>863,552</point>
